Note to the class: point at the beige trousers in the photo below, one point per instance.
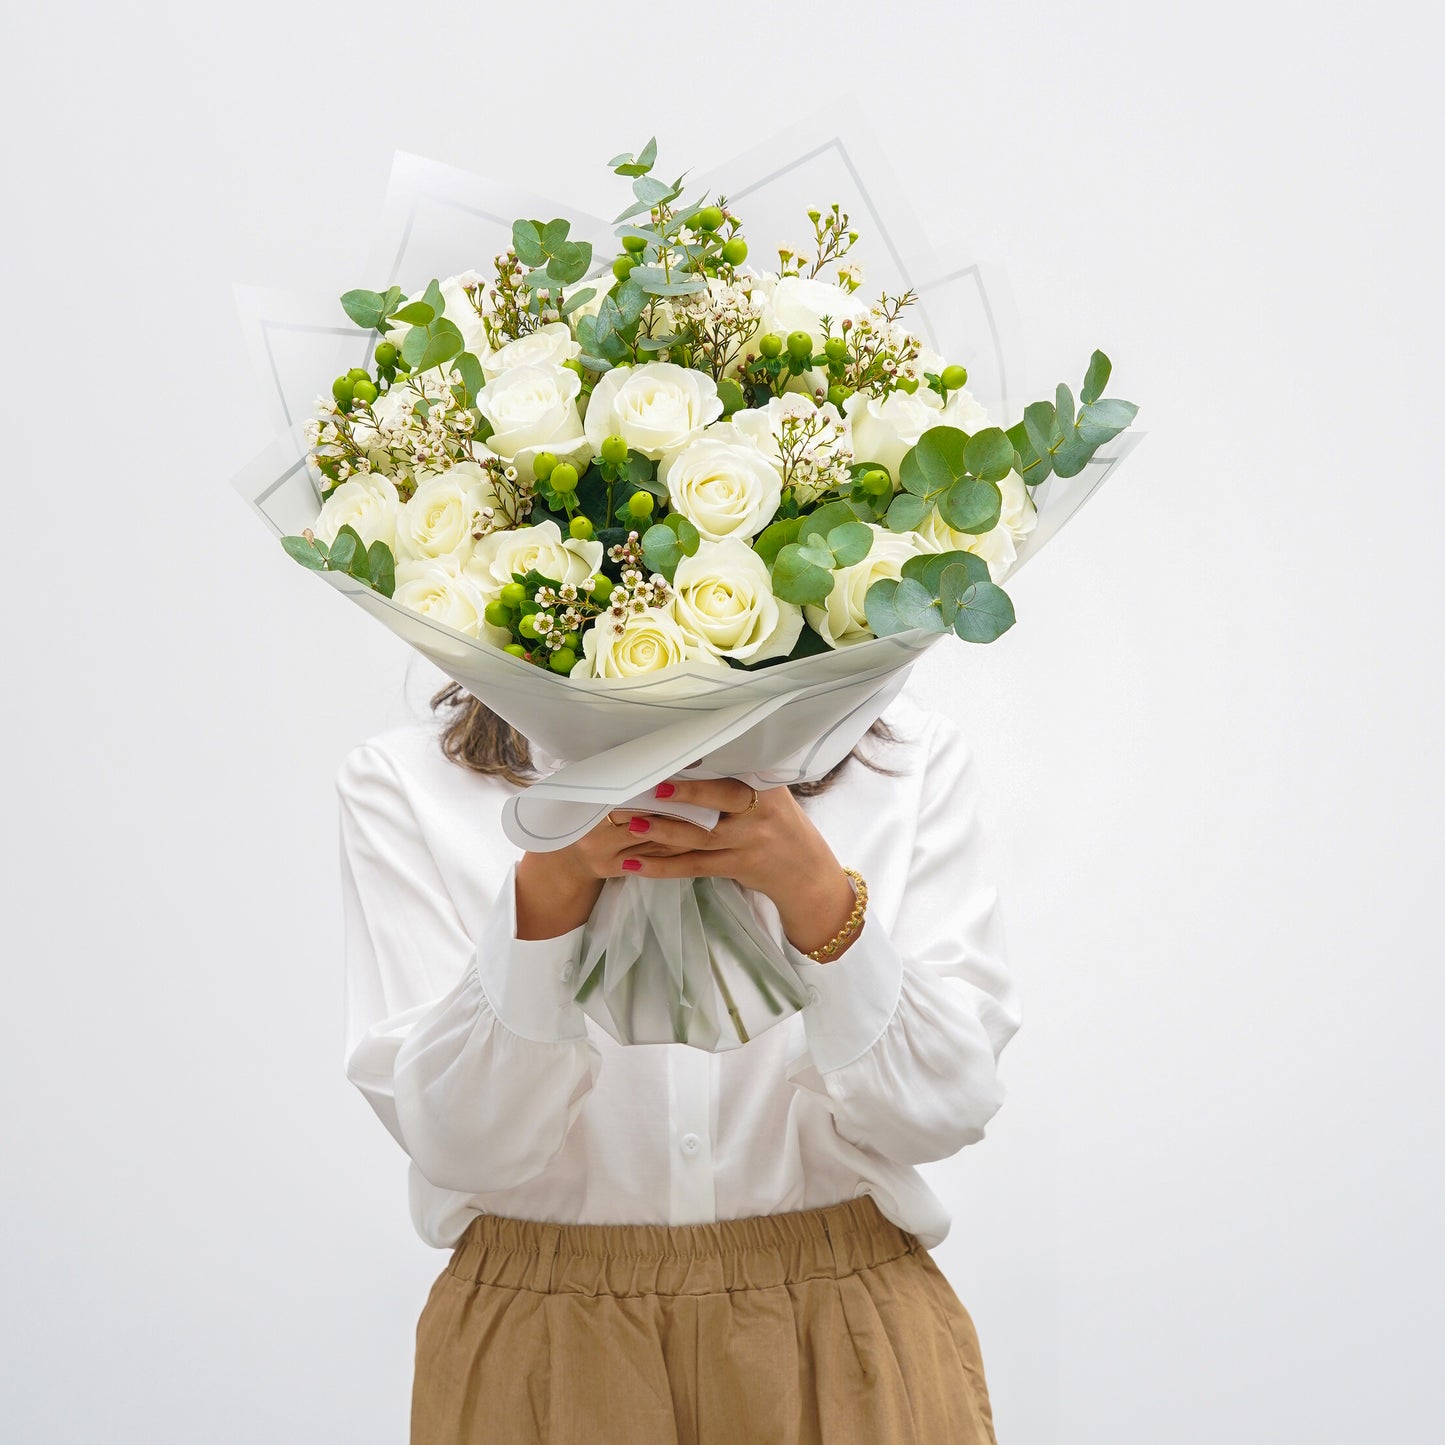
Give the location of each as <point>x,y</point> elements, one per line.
<point>822,1327</point>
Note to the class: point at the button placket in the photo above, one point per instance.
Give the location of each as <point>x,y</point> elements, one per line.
<point>690,1129</point>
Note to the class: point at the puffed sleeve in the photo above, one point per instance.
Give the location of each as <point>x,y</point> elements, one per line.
<point>472,1052</point>
<point>908,1024</point>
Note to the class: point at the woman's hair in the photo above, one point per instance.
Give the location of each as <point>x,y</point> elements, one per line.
<point>476,738</point>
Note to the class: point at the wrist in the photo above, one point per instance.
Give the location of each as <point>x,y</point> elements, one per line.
<point>553,895</point>
<point>813,914</point>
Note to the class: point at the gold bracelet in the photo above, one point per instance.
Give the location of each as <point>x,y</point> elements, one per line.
<point>855,920</point>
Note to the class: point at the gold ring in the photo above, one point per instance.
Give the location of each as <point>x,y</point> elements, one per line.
<point>613,820</point>
<point>754,802</point>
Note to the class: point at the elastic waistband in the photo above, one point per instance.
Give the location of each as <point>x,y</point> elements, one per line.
<point>760,1252</point>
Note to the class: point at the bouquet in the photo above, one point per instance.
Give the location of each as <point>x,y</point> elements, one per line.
<point>716,508</point>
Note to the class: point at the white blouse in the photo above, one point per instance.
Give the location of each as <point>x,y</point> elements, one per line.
<point>510,1100</point>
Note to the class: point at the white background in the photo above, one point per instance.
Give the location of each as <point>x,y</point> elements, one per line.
<point>1210,1207</point>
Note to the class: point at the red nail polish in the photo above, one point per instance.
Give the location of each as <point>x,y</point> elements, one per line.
<point>665,790</point>
<point>639,825</point>
<point>632,865</point>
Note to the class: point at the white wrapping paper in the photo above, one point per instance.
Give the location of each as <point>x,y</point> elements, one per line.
<point>663,961</point>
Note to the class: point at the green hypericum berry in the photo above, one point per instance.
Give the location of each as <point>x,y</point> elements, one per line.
<point>516,649</point>
<point>386,355</point>
<point>735,252</point>
<point>835,349</point>
<point>770,346</point>
<point>800,346</point>
<point>602,589</point>
<point>542,465</point>
<point>341,391</point>
<point>365,392</point>
<point>954,377</point>
<point>580,529</point>
<point>572,639</point>
<point>622,267</point>
<point>640,505</point>
<point>498,614</point>
<point>634,244</point>
<point>563,660</point>
<point>563,478</point>
<point>875,483</point>
<point>357,373</point>
<point>514,594</point>
<point>527,627</point>
<point>709,218</point>
<point>839,394</point>
<point>908,384</point>
<point>614,450</point>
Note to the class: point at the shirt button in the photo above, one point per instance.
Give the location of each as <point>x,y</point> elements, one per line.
<point>569,972</point>
<point>813,994</point>
<point>691,1143</point>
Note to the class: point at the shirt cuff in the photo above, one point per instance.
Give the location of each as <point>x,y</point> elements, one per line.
<point>530,982</point>
<point>851,1000</point>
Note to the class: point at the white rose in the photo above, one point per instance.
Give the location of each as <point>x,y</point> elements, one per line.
<point>531,549</point>
<point>549,345</point>
<point>999,545</point>
<point>885,429</point>
<point>724,487</point>
<point>646,641</point>
<point>369,504</point>
<point>964,411</point>
<point>799,304</point>
<point>438,588</point>
<point>657,408</point>
<point>444,512</point>
<point>724,602</point>
<point>459,311</point>
<point>841,621</point>
<point>534,409</point>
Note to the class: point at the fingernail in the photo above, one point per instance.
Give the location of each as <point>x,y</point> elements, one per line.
<point>665,790</point>
<point>632,865</point>
<point>639,825</point>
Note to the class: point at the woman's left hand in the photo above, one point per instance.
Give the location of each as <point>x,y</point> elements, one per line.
<point>771,847</point>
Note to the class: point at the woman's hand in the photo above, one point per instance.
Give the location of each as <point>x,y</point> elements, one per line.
<point>772,848</point>
<point>556,892</point>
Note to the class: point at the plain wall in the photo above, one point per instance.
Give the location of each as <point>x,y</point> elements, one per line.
<point>1205,1211</point>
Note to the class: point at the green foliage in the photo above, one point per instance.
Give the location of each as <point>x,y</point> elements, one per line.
<point>956,473</point>
<point>376,566</point>
<point>667,542</point>
<point>1061,439</point>
<point>938,593</point>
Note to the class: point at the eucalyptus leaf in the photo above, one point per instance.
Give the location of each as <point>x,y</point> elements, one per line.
<point>473,377</point>
<point>631,301</point>
<point>850,543</point>
<point>578,298</point>
<point>916,606</point>
<point>1064,406</point>
<point>776,536</point>
<point>1042,426</point>
<point>303,552</point>
<point>817,551</point>
<point>879,609</point>
<point>688,537</point>
<point>650,190</point>
<point>984,614</point>
<point>798,580</point>
<point>343,549</point>
<point>1096,378</point>
<point>439,348</point>
<point>433,297</point>
<point>661,549</point>
<point>1102,421</point>
<point>930,567</point>
<point>906,513</point>
<point>382,564</point>
<point>413,344</point>
<point>972,505</point>
<point>358,566</point>
<point>527,243</point>
<point>935,463</point>
<point>417,313</point>
<point>365,308</point>
<point>1072,456</point>
<point>989,454</point>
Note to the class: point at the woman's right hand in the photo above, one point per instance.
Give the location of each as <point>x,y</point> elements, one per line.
<point>557,891</point>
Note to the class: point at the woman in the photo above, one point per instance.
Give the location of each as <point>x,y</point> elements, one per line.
<point>650,1243</point>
